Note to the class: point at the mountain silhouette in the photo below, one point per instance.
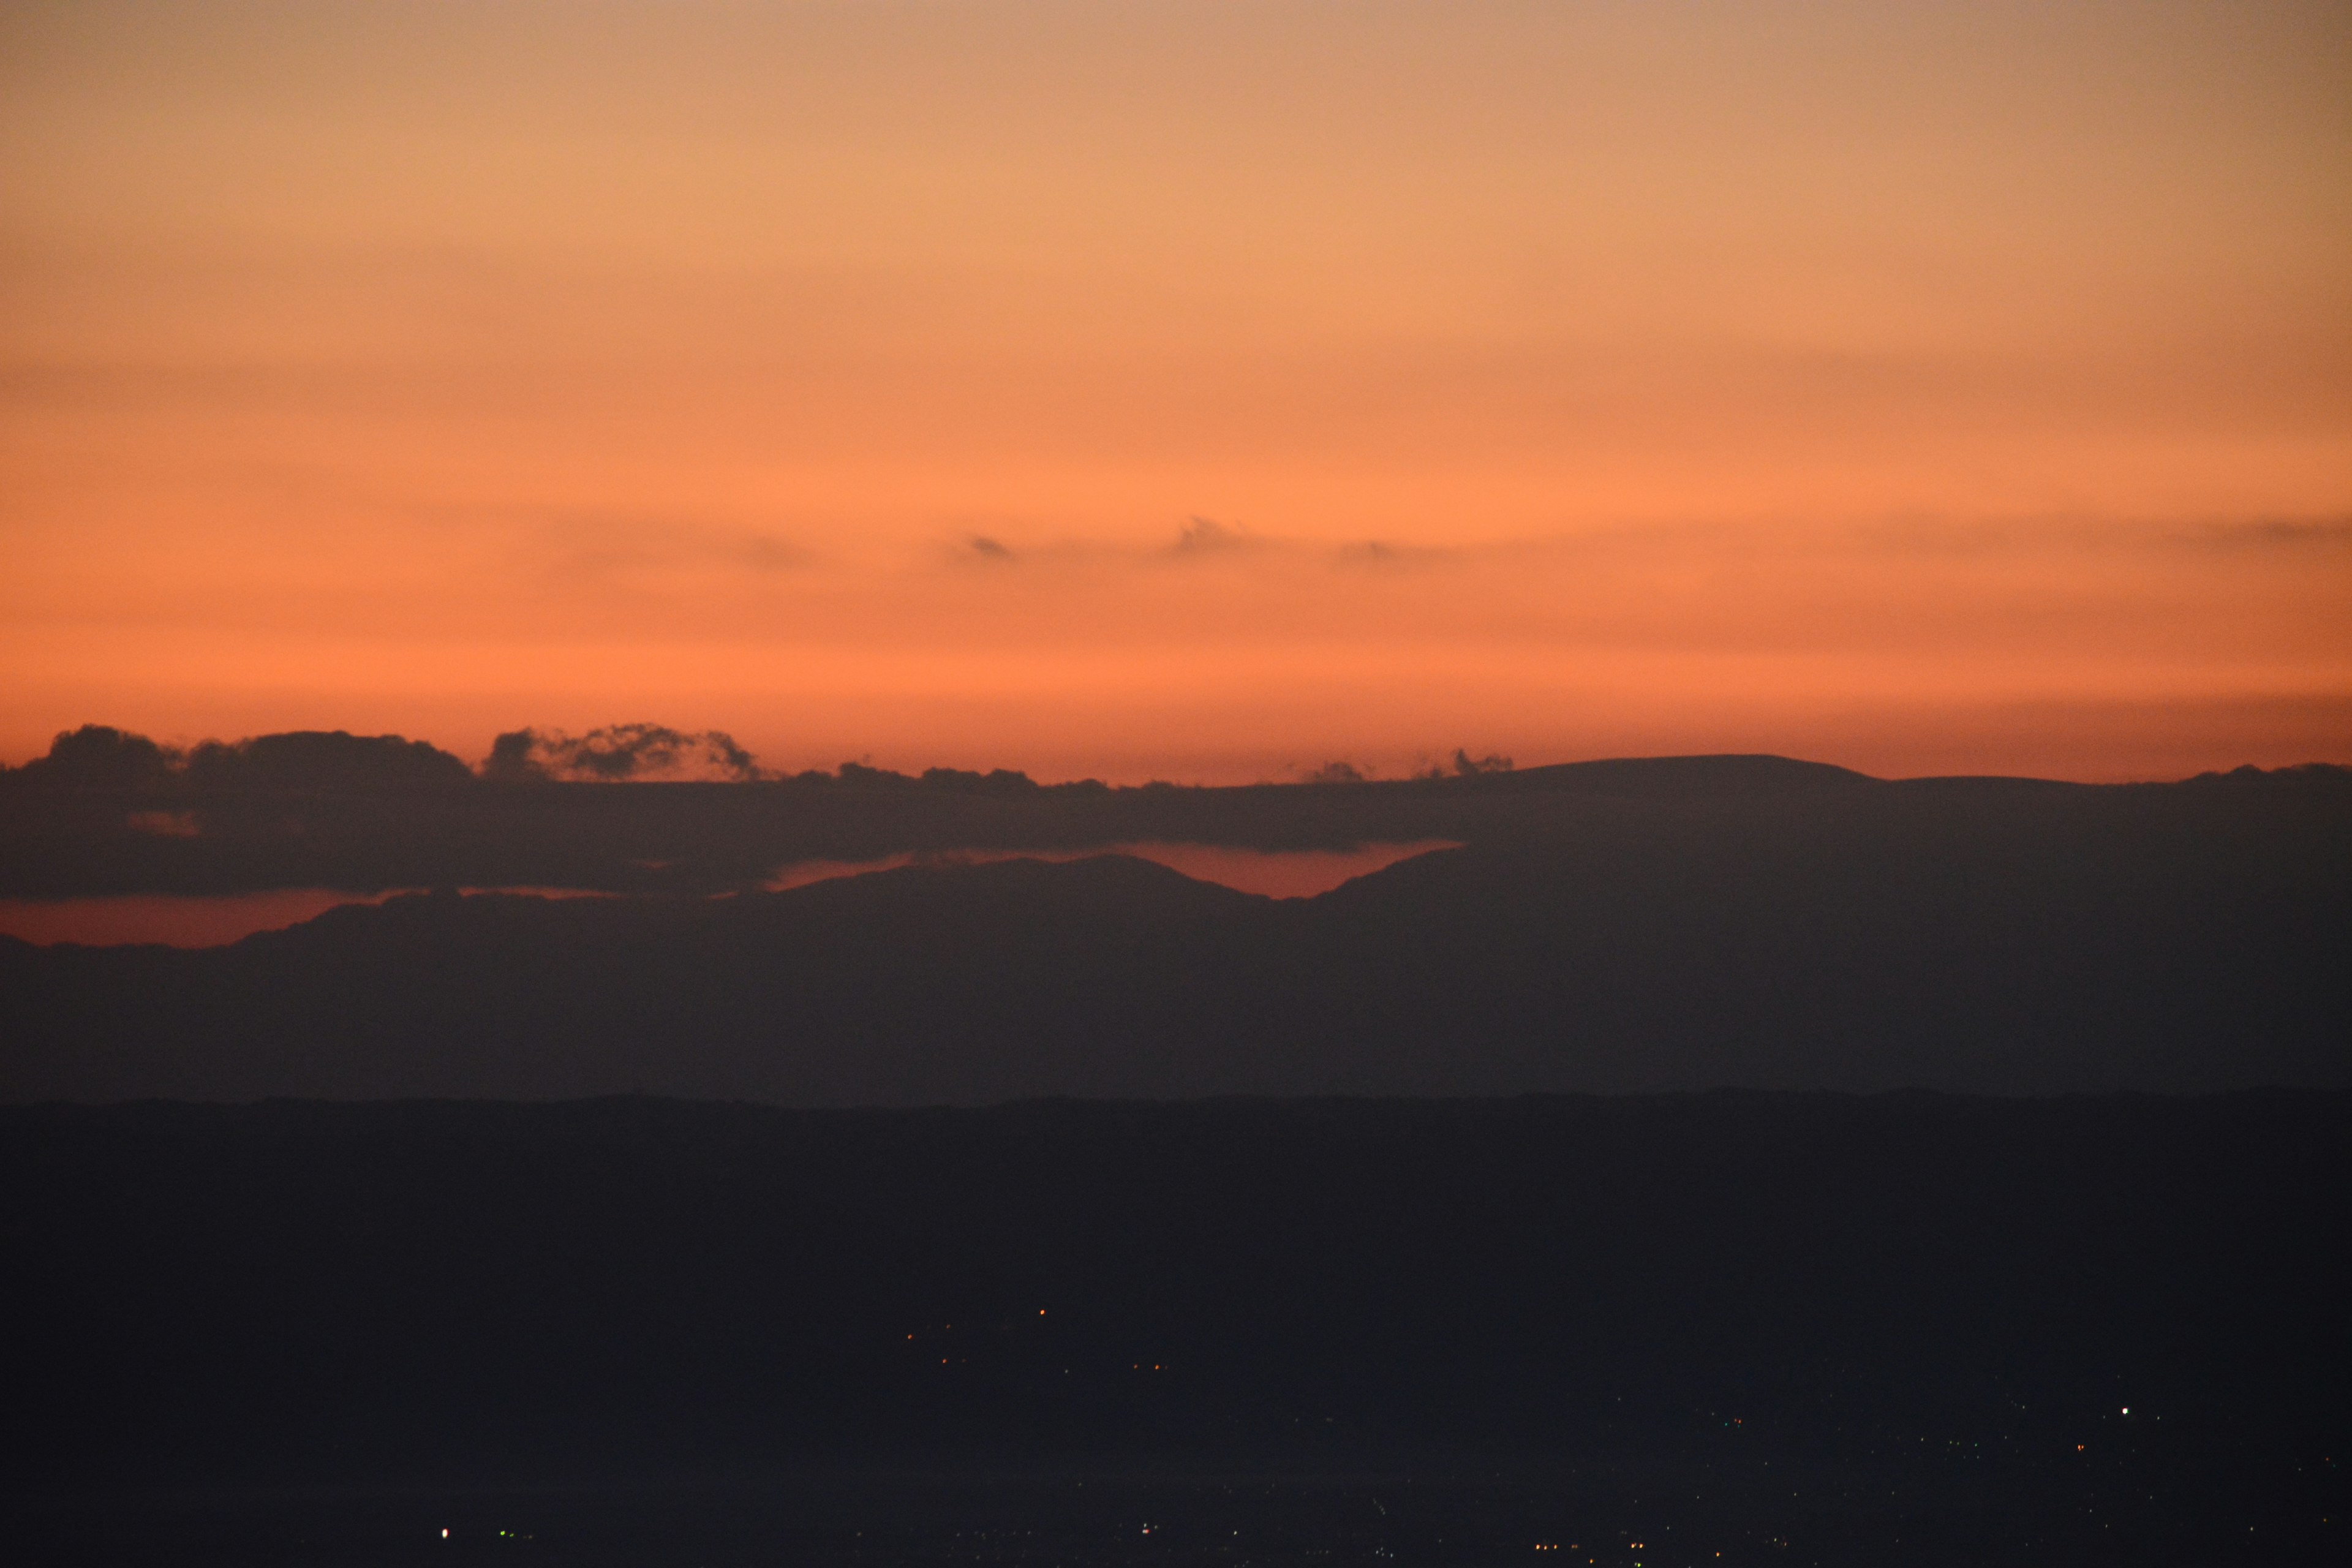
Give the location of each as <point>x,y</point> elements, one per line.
<point>1976,935</point>
<point>372,814</point>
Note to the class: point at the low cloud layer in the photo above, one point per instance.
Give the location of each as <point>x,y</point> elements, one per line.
<point>98,756</point>
<point>618,753</point>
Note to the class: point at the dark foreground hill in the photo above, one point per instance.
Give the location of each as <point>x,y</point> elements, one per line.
<point>1974,935</point>
<point>1778,1328</point>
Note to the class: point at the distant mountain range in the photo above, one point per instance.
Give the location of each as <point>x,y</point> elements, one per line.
<point>108,813</point>
<point>1638,925</point>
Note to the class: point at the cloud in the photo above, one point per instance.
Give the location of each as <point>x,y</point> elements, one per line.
<point>1385,555</point>
<point>322,760</point>
<point>1467,765</point>
<point>2285,533</point>
<point>97,756</point>
<point>605,544</point>
<point>759,551</point>
<point>1207,536</point>
<point>988,549</point>
<point>619,752</point>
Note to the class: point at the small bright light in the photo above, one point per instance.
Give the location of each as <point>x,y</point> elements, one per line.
<point>2127,1409</point>
<point>444,1535</point>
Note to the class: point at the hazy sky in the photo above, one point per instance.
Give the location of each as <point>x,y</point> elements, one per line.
<point>1920,387</point>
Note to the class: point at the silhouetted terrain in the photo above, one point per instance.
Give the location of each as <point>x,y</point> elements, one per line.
<point>1810,1328</point>
<point>109,812</point>
<point>1779,1327</point>
<point>1980,936</point>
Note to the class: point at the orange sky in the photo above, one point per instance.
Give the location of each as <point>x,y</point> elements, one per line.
<point>1924,388</point>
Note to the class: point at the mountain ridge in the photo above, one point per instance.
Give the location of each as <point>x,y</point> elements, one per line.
<point>2175,938</point>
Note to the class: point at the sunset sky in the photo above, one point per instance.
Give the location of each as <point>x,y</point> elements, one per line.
<point>1186,390</point>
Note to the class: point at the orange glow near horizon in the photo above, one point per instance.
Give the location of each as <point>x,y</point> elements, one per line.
<point>1924,389</point>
